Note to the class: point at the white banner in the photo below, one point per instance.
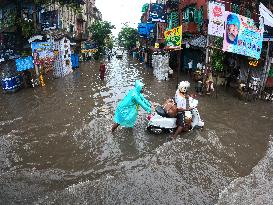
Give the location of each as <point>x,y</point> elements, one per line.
<point>216,25</point>
<point>267,15</point>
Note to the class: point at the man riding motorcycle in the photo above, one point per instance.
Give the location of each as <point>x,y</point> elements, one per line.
<point>181,100</point>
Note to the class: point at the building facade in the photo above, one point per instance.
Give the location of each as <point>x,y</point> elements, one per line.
<point>76,22</point>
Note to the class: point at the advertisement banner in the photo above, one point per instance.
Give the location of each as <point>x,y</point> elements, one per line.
<point>242,36</point>
<point>42,52</point>
<point>173,38</point>
<point>216,25</point>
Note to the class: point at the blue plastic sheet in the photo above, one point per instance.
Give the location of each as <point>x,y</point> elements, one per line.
<point>24,63</point>
<point>75,60</point>
<point>11,83</point>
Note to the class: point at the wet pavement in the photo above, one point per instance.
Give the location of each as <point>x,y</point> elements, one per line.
<point>56,148</point>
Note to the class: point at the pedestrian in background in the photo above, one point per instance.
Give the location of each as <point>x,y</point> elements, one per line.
<point>102,71</point>
<point>190,64</point>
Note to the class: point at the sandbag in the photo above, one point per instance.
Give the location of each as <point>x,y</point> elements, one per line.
<point>170,108</point>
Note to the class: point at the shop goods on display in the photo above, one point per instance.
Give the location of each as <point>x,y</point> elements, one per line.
<point>11,84</point>
<point>255,84</point>
<point>62,65</point>
<point>10,80</point>
<point>25,63</point>
<point>161,67</point>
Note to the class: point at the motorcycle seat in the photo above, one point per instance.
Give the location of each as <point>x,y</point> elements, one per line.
<point>160,111</point>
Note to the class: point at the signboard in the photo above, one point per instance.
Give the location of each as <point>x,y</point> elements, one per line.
<point>144,29</point>
<point>268,33</point>
<point>268,39</point>
<point>95,50</point>
<point>49,20</point>
<point>216,25</point>
<point>173,38</point>
<point>242,36</point>
<point>89,47</point>
<point>42,52</point>
<point>157,13</point>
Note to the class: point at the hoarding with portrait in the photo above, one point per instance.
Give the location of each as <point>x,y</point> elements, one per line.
<point>242,36</point>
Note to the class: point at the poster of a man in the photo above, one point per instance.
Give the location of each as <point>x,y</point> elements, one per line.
<point>233,27</point>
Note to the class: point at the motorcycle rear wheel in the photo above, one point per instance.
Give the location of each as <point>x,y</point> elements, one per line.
<point>155,130</point>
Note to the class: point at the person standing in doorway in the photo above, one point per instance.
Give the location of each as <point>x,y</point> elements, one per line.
<point>190,64</point>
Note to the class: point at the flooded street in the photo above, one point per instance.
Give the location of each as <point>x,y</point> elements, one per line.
<point>56,146</point>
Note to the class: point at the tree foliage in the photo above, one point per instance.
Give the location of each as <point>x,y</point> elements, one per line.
<point>27,28</point>
<point>101,33</point>
<point>109,42</point>
<point>217,55</point>
<point>128,37</point>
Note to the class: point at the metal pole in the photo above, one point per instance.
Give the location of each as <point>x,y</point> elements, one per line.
<point>267,63</point>
<point>266,68</point>
<point>179,51</point>
<point>207,53</point>
<point>178,65</point>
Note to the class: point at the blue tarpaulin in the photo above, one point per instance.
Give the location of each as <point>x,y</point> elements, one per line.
<point>24,63</point>
<point>75,60</point>
<point>11,83</point>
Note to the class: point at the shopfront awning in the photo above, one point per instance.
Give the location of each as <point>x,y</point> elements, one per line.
<point>197,42</point>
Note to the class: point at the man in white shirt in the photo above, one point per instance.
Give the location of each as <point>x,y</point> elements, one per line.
<point>181,102</point>
<point>190,64</point>
<point>199,66</point>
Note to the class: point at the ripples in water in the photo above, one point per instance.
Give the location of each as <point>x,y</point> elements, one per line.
<point>255,188</point>
<point>60,151</point>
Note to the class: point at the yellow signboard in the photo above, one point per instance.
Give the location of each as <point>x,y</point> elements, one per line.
<point>89,50</point>
<point>173,38</point>
<point>156,45</point>
<point>253,63</point>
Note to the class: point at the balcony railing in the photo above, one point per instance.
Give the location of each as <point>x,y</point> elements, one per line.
<point>172,4</point>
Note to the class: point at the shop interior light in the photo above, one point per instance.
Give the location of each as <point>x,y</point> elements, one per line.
<point>253,63</point>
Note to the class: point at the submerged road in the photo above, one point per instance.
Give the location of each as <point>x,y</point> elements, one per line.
<point>56,147</point>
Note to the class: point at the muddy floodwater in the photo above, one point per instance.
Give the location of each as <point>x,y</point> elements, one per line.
<point>56,146</point>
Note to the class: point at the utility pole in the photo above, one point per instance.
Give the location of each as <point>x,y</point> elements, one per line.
<point>267,63</point>
<point>207,52</point>
<point>179,52</point>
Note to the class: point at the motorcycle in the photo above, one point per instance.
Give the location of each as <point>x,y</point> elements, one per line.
<point>159,121</point>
